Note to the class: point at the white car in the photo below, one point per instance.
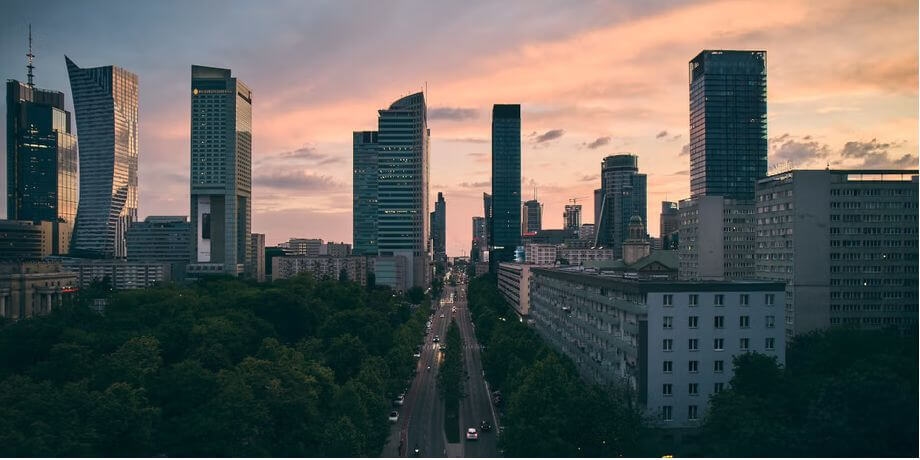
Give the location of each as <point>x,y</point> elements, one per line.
<point>394,417</point>
<point>471,434</point>
<point>400,400</point>
<point>442,315</point>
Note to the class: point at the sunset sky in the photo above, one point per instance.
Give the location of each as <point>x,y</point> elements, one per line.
<point>593,78</point>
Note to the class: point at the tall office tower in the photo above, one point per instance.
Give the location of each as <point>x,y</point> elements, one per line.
<point>480,239</point>
<point>487,215</point>
<point>624,196</point>
<point>572,217</point>
<point>728,123</point>
<point>669,224</point>
<point>402,193</point>
<point>221,173</point>
<point>844,243</point>
<point>41,160</point>
<point>364,193</point>
<point>256,267</point>
<point>161,239</point>
<point>439,229</point>
<point>532,217</point>
<point>105,102</point>
<point>505,231</point>
<point>598,204</point>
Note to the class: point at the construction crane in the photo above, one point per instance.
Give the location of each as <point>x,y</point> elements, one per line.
<point>575,199</point>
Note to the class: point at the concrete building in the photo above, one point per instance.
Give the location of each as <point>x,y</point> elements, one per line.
<point>716,239</point>
<point>337,249</point>
<point>505,214</point>
<point>532,217</point>
<point>33,288</point>
<point>541,254</point>
<point>161,239</point>
<point>439,230</point>
<point>672,341</point>
<point>310,247</point>
<point>578,256</point>
<point>669,224</point>
<point>121,274</point>
<point>322,267</point>
<point>105,103</point>
<point>571,217</point>
<point>624,196</point>
<point>586,232</point>
<point>364,192</point>
<point>845,242</point>
<point>25,239</point>
<point>256,268</point>
<point>221,172</point>
<point>514,285</point>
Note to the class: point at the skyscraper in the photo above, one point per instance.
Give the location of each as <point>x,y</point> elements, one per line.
<point>487,215</point>
<point>669,223</point>
<point>105,103</point>
<point>402,193</point>
<point>728,123</point>
<point>532,219</point>
<point>572,217</point>
<point>41,159</point>
<point>505,231</point>
<point>598,203</point>
<point>624,196</point>
<point>364,193</point>
<point>221,172</point>
<point>439,229</point>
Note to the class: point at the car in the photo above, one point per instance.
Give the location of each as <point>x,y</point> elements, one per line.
<point>436,339</point>
<point>401,399</point>
<point>442,315</point>
<point>485,426</point>
<point>471,434</point>
<point>394,417</point>
<point>416,355</point>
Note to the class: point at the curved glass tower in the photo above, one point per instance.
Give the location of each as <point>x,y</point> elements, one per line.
<point>105,104</point>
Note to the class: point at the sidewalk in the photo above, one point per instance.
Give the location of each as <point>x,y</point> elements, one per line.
<point>391,448</point>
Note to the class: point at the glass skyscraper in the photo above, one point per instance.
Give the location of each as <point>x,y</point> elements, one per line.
<point>505,234</point>
<point>105,103</point>
<point>624,196</point>
<point>532,219</point>
<point>41,161</point>
<point>221,173</point>
<point>439,229</point>
<point>728,123</point>
<point>364,193</point>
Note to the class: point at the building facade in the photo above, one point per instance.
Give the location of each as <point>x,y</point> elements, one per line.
<point>337,249</point>
<point>33,288</point>
<point>669,223</point>
<point>532,217</point>
<point>541,254</point>
<point>845,242</point>
<point>514,285</point>
<point>728,123</point>
<point>571,217</point>
<point>41,161</point>
<point>221,172</point>
<point>624,196</point>
<point>505,214</point>
<point>716,238</point>
<point>119,273</point>
<point>256,269</point>
<point>364,192</point>
<point>161,239</point>
<point>105,103</point>
<point>322,267</point>
<point>24,239</point>
<point>439,229</point>
<point>578,256</point>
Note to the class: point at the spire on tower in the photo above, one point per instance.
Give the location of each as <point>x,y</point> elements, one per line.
<point>31,57</point>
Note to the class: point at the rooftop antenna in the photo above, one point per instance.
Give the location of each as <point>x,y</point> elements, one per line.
<point>30,56</point>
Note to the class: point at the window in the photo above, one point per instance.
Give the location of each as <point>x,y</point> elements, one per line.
<point>693,389</point>
<point>666,413</point>
<point>718,387</point>
<point>667,367</point>
<point>769,343</point>
<point>768,299</point>
<point>745,343</point>
<point>718,344</point>
<point>667,322</point>
<point>666,389</point>
<point>718,366</point>
<point>693,322</point>
<point>719,300</point>
<point>693,366</point>
<point>694,299</point>
<point>693,344</point>
<point>745,300</point>
<point>667,344</point>
<point>770,321</point>
<point>692,412</point>
<point>718,322</point>
<point>744,321</point>
<point>667,300</point>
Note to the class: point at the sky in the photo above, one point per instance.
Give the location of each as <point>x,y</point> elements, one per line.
<point>593,78</point>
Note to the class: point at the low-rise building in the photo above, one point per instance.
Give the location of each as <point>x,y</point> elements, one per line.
<point>540,254</point>
<point>119,274</point>
<point>161,239</point>
<point>23,239</point>
<point>514,285</point>
<point>322,267</point>
<point>578,256</point>
<point>29,288</point>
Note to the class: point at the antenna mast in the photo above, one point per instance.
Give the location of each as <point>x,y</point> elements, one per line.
<point>30,56</point>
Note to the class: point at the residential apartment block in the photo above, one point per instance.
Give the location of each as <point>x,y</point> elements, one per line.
<point>322,267</point>
<point>716,239</point>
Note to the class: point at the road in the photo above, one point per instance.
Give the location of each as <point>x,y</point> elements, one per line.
<point>422,417</point>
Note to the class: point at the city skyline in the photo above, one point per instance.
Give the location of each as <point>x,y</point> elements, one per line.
<point>852,107</point>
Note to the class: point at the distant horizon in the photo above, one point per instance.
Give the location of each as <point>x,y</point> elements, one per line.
<point>592,80</point>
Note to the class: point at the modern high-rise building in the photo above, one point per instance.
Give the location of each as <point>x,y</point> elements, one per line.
<point>364,193</point>
<point>844,243</point>
<point>505,230</point>
<point>256,268</point>
<point>624,196</point>
<point>669,224</point>
<point>487,215</point>
<point>439,229</point>
<point>532,219</point>
<point>572,217</point>
<point>41,160</point>
<point>161,239</point>
<point>728,123</point>
<point>480,239</point>
<point>402,193</point>
<point>105,103</point>
<point>598,205</point>
<point>221,172</point>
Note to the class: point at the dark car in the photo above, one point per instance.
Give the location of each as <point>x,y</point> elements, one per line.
<point>485,426</point>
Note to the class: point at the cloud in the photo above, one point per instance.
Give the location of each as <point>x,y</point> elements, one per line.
<point>477,155</point>
<point>684,151</point>
<point>548,136</point>
<point>661,134</point>
<point>859,149</point>
<point>306,154</point>
<point>800,153</point>
<point>452,113</point>
<point>877,155</point>
<point>589,178</point>
<point>480,184</point>
<point>296,180</point>
<point>470,140</point>
<point>600,141</point>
